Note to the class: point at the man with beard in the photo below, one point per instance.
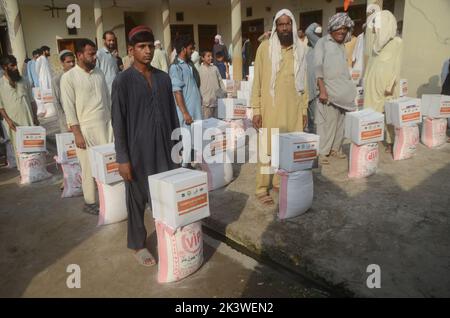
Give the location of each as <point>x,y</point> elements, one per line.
<point>186,86</point>
<point>279,98</point>
<point>143,116</point>
<point>17,106</point>
<point>43,69</point>
<point>87,105</point>
<point>337,90</point>
<point>106,61</point>
<point>185,83</point>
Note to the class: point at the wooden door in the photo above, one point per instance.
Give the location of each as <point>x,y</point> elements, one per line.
<point>206,34</point>
<point>67,44</point>
<point>252,30</point>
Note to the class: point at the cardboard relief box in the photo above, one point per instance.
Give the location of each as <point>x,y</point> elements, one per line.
<point>31,139</point>
<point>179,197</point>
<point>436,106</point>
<point>403,112</point>
<point>210,137</point>
<point>294,151</point>
<point>403,86</point>
<point>232,108</point>
<point>359,99</point>
<point>66,147</point>
<point>103,164</point>
<point>365,126</point>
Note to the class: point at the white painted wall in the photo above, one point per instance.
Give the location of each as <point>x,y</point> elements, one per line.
<point>426,40</point>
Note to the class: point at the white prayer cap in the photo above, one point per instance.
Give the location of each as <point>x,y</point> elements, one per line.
<point>318,30</point>
<point>157,42</point>
<point>63,52</point>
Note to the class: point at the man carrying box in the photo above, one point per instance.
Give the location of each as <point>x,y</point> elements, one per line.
<point>143,116</point>
<point>279,99</point>
<point>17,106</point>
<point>86,102</point>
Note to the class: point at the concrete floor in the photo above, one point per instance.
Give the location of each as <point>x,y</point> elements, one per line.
<point>397,219</point>
<point>41,234</point>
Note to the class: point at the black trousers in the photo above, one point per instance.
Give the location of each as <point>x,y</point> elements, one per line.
<point>137,196</point>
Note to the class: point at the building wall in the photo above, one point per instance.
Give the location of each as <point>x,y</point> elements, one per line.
<point>40,28</point>
<point>426,40</point>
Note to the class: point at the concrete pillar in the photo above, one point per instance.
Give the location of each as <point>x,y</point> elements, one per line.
<point>236,38</point>
<point>166,26</point>
<point>98,18</point>
<point>15,30</point>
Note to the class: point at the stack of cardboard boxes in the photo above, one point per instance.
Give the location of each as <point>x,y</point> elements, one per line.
<point>293,156</point>
<point>179,202</point>
<point>31,150</point>
<point>67,158</point>
<point>111,187</point>
<point>365,129</point>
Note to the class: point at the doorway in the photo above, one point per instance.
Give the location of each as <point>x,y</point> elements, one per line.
<point>206,34</point>
<point>252,30</point>
<point>67,44</point>
<point>177,30</point>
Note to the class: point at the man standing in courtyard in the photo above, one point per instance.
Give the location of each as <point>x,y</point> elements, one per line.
<point>279,99</point>
<point>106,61</point>
<point>144,116</point>
<point>87,105</point>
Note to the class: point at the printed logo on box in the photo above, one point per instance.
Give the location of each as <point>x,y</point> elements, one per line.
<point>371,131</point>
<point>33,140</point>
<point>192,199</point>
<point>304,151</point>
<point>445,107</point>
<point>240,111</point>
<point>110,162</point>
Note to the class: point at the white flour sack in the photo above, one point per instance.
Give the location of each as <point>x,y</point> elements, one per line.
<point>180,251</point>
<point>72,180</point>
<point>33,167</point>
<point>363,160</point>
<point>296,193</point>
<point>434,132</point>
<point>113,208</point>
<point>406,141</point>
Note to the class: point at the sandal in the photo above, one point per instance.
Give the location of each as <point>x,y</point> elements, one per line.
<point>91,209</point>
<point>265,199</point>
<point>337,154</point>
<point>143,257</point>
<point>388,148</point>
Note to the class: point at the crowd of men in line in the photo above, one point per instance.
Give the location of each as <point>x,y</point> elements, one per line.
<point>296,87</point>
